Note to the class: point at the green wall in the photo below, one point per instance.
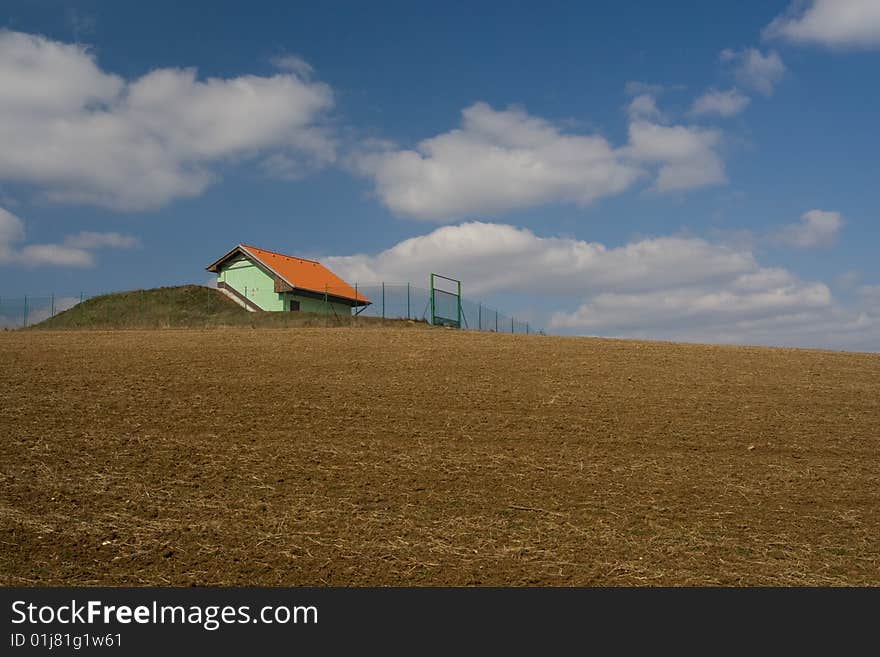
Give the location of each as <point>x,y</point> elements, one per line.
<point>252,282</point>
<point>309,305</point>
<point>243,275</point>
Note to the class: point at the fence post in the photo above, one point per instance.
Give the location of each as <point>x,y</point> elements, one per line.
<point>527,328</point>
<point>355,303</point>
<point>496,321</point>
<point>511,325</point>
<point>383,299</point>
<point>407,300</point>
<point>325,300</point>
<point>480,317</point>
<point>459,304</point>
<point>52,310</point>
<point>25,311</point>
<point>432,299</point>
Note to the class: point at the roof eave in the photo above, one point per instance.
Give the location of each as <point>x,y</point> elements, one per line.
<point>362,301</point>
<point>219,261</point>
<point>263,262</point>
<point>213,267</point>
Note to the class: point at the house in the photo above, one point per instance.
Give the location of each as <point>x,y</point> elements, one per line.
<point>258,279</point>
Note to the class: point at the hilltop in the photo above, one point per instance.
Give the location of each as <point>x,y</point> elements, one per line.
<point>185,306</point>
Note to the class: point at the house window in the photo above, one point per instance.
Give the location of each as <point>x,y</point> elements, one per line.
<point>294,305</point>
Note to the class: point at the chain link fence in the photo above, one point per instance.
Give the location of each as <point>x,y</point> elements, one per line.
<point>21,312</point>
<point>386,300</point>
<point>406,301</point>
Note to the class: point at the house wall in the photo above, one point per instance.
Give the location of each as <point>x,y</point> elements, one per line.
<point>310,305</point>
<point>247,278</point>
<point>251,281</point>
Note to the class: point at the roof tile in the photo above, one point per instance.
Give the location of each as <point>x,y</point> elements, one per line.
<point>305,274</point>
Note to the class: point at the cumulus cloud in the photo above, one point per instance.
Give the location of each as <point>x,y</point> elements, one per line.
<point>677,288</point>
<point>74,251</point>
<point>284,167</point>
<point>497,161</point>
<point>56,255</point>
<point>810,322</point>
<point>686,156</point>
<point>293,63</point>
<point>720,103</point>
<point>84,135</point>
<point>90,240</point>
<point>502,258</point>
<point>817,228</point>
<point>870,295</point>
<point>644,106</point>
<point>11,228</point>
<point>500,160</point>
<point>692,306</point>
<point>833,23</point>
<point>754,69</point>
<point>848,280</point>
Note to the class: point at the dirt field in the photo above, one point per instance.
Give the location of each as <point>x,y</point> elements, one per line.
<point>415,456</point>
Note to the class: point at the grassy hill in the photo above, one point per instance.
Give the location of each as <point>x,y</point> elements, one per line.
<point>186,306</point>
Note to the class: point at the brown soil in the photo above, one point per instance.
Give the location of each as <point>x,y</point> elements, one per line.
<point>393,456</point>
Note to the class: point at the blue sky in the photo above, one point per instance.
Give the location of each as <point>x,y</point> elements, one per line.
<point>682,170</point>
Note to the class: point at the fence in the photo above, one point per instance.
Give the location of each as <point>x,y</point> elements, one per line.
<point>387,300</point>
<point>406,301</point>
<point>21,312</point>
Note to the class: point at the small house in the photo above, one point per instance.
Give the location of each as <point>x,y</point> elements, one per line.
<point>258,279</point>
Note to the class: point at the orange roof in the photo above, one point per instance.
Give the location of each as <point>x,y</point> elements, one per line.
<point>305,274</point>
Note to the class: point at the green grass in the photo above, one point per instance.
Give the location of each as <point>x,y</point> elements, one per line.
<point>186,306</point>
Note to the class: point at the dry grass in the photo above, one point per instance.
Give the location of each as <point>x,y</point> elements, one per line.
<point>193,306</point>
<point>393,456</point>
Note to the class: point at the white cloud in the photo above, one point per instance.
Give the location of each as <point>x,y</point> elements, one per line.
<point>11,231</point>
<point>40,75</point>
<point>56,255</point>
<point>644,106</point>
<point>677,288</point>
<point>834,23</point>
<point>90,240</point>
<point>500,160</point>
<point>810,323</point>
<point>693,306</point>
<point>816,228</point>
<point>502,258</point>
<point>870,295</point>
<point>293,63</point>
<point>755,70</point>
<point>848,279</point>
<point>83,135</point>
<point>497,161</point>
<point>75,251</point>
<point>686,156</point>
<point>720,103</point>
<point>284,167</point>
<point>11,228</point>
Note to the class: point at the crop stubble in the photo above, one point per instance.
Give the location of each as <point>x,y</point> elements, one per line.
<point>415,456</point>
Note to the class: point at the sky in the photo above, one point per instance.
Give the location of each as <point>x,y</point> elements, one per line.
<point>687,170</point>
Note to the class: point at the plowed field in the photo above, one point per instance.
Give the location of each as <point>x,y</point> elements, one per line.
<point>416,456</point>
